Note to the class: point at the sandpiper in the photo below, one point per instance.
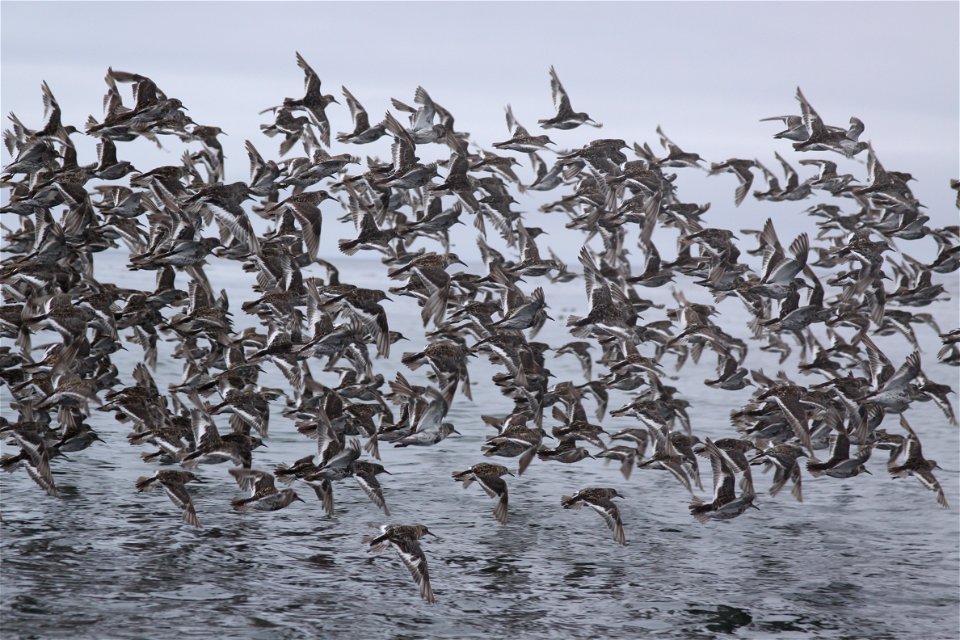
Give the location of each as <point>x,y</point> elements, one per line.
<point>566,117</point>
<point>917,465</point>
<point>488,476</point>
<point>405,540</point>
<point>264,495</point>
<point>726,504</point>
<point>173,483</point>
<point>601,501</point>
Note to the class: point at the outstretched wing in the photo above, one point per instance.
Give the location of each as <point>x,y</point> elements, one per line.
<point>416,562</point>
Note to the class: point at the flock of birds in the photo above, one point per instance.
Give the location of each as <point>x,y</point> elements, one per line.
<point>851,279</point>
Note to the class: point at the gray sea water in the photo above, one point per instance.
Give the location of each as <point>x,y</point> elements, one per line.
<point>869,557</point>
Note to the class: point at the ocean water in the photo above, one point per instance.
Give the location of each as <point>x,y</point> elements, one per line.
<point>868,557</point>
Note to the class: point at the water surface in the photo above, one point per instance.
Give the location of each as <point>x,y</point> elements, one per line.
<point>866,557</point>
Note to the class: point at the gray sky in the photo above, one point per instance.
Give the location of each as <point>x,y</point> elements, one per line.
<point>706,72</point>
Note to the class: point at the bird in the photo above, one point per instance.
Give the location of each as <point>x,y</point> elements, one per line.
<point>405,541</point>
<point>740,168</point>
<point>173,482</point>
<point>264,495</point>
<point>179,369</point>
<point>666,456</point>
<point>566,117</point>
<point>427,437</point>
<point>525,315</point>
<point>783,457</point>
<point>581,350</point>
<point>314,101</point>
<point>916,465</point>
<point>521,139</point>
<point>489,477</point>
<point>726,504</point>
<point>601,501</point>
<point>841,464</point>
<point>363,132</point>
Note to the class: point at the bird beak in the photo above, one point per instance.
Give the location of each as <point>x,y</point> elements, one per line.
<point>510,473</point>
<point>456,432</point>
<point>755,506</point>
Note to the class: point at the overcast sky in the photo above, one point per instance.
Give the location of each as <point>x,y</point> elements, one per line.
<point>706,72</point>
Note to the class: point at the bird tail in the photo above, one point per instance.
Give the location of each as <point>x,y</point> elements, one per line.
<point>349,247</point>
<point>9,463</point>
<point>241,504</point>
<point>699,510</point>
<point>466,477</point>
<point>377,543</point>
<point>283,474</point>
<point>816,468</point>
<point>412,360</point>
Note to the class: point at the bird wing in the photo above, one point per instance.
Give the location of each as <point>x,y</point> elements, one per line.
<point>357,112</point>
<point>909,370</point>
<point>557,90</point>
<point>927,479</point>
<point>416,562</point>
<point>180,497</point>
<point>311,81</point>
<point>611,515</point>
<point>371,486</point>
